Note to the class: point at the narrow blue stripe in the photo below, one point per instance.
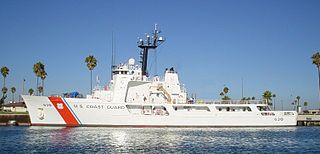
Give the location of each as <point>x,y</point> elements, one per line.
<point>72,111</point>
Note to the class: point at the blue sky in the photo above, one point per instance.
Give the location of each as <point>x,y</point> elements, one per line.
<point>211,43</point>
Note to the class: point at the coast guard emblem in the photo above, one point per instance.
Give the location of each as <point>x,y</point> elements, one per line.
<point>40,114</point>
<point>60,106</point>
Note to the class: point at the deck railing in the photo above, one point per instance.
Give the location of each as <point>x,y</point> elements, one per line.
<point>229,102</point>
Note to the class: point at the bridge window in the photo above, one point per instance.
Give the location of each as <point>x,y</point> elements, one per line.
<point>263,108</point>
<point>191,108</point>
<point>233,109</point>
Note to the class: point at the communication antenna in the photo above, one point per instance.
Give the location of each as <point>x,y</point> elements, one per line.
<point>242,88</point>
<point>149,43</point>
<point>113,55</point>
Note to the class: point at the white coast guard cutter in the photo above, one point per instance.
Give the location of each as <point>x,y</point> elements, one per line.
<point>134,99</point>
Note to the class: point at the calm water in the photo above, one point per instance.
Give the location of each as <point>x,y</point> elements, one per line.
<point>159,140</point>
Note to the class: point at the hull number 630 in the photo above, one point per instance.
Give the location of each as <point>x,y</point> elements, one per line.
<point>278,119</point>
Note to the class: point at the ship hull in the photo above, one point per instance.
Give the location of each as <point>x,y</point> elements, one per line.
<point>57,111</point>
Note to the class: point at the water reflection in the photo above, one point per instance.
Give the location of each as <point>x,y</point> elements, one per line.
<point>160,140</point>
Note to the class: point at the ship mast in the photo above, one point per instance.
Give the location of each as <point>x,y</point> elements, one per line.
<point>113,55</point>
<point>145,45</point>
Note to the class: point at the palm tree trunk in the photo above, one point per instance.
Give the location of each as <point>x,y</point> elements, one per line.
<point>298,105</point>
<point>42,87</point>
<point>12,97</point>
<point>37,86</point>
<point>91,81</point>
<point>4,81</point>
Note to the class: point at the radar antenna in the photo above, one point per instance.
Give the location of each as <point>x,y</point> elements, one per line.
<point>149,43</point>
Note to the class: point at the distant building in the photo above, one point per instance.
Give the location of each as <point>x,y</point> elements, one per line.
<point>15,107</point>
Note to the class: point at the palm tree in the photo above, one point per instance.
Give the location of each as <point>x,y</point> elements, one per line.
<point>253,98</point>
<point>225,90</point>
<point>91,64</point>
<point>316,61</point>
<point>4,72</point>
<point>13,90</point>
<point>2,101</point>
<point>37,69</point>
<point>246,98</point>
<point>221,94</point>
<point>40,72</point>
<point>43,77</point>
<point>40,90</point>
<point>30,91</point>
<point>274,102</point>
<point>305,104</point>
<point>224,93</point>
<point>267,96</point>
<point>4,90</point>
<point>298,105</point>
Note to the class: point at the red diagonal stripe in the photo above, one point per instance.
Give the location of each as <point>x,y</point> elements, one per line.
<point>63,110</point>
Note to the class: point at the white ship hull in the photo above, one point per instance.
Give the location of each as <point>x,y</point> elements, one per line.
<point>95,112</point>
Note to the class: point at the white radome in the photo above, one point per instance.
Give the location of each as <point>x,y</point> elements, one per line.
<point>131,62</point>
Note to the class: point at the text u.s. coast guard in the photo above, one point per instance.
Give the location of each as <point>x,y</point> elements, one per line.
<point>92,106</point>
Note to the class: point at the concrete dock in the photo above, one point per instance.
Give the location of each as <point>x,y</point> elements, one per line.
<point>308,120</point>
<point>15,119</point>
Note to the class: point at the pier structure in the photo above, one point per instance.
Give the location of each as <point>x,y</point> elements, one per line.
<point>15,119</point>
<point>308,120</point>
